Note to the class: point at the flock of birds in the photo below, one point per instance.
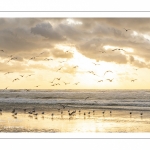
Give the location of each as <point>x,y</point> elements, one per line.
<point>53,83</point>
<point>33,112</point>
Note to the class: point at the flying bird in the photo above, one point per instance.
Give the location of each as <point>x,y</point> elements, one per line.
<point>30,75</point>
<point>37,85</point>
<point>15,79</point>
<point>110,80</point>
<point>100,81</point>
<point>58,78</point>
<point>75,66</point>
<point>59,69</point>
<point>66,83</point>
<point>48,59</point>
<point>87,98</point>
<point>53,80</point>
<point>7,73</point>
<point>102,51</point>
<point>133,80</point>
<point>77,83</point>
<point>108,71</point>
<point>127,29</point>
<point>96,64</point>
<point>22,76</point>
<point>2,50</point>
<point>13,58</point>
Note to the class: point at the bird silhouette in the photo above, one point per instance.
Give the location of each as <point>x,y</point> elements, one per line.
<point>66,83</point>
<point>110,80</point>
<point>100,81</point>
<point>87,98</point>
<point>37,85</point>
<point>133,80</point>
<point>15,79</point>
<point>96,64</point>
<point>8,73</point>
<point>108,71</point>
<point>77,83</point>
<point>126,29</point>
<point>22,76</point>
<point>59,69</point>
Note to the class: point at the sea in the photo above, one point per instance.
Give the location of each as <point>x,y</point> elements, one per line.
<point>105,99</point>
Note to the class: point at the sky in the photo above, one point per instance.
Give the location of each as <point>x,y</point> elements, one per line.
<point>85,53</point>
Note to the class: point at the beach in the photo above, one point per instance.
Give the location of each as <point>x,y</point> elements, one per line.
<point>101,120</point>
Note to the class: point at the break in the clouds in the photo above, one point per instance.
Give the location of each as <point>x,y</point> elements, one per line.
<point>27,38</point>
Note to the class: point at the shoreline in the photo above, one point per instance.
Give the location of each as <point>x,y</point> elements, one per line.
<point>98,122</point>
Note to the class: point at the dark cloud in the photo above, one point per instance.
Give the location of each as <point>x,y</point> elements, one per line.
<point>46,30</point>
<point>27,37</point>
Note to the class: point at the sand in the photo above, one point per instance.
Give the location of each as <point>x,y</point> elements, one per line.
<point>120,121</point>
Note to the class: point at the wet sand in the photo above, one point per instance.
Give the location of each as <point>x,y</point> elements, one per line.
<point>119,121</point>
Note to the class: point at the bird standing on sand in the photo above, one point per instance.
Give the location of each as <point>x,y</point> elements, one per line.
<point>103,113</point>
<point>13,110</point>
<point>52,115</point>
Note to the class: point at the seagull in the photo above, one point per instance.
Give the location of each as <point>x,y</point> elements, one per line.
<point>13,110</point>
<point>133,80</point>
<point>58,78</point>
<point>15,79</point>
<point>30,75</point>
<point>32,58</point>
<point>43,113</point>
<point>110,80</point>
<point>77,83</point>
<point>13,58</point>
<point>48,59</point>
<point>37,86</point>
<point>127,29</point>
<point>2,50</point>
<point>87,98</point>
<point>59,69</point>
<point>6,88</point>
<point>103,113</point>
<point>41,53</point>
<point>96,64</point>
<point>62,61</point>
<point>63,106</point>
<point>100,81</point>
<point>53,80</point>
<point>7,73</point>
<point>52,115</point>
<point>22,76</point>
<point>102,51</point>
<point>108,71</point>
<point>75,66</point>
<point>66,83</point>
<point>27,90</point>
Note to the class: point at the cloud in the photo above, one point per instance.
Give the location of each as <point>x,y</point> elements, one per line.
<point>27,37</point>
<point>46,30</point>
